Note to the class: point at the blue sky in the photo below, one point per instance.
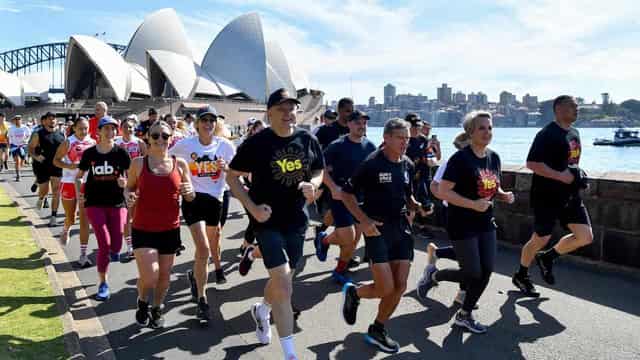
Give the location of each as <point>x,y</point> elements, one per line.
<point>355,47</point>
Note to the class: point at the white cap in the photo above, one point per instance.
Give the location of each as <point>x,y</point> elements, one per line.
<point>133,117</point>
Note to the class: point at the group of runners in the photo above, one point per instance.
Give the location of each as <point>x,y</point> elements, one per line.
<point>132,189</point>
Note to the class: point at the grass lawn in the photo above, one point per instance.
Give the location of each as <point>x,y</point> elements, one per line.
<point>30,326</point>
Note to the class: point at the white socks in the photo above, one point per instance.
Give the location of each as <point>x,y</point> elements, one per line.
<point>288,348</point>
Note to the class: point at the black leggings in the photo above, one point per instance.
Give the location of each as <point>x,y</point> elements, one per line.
<point>476,254</point>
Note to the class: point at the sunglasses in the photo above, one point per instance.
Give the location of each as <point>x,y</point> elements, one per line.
<point>156,136</point>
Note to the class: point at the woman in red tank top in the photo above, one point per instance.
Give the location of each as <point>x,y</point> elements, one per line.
<point>155,185</point>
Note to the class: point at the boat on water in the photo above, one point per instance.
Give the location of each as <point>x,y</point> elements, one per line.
<point>621,137</point>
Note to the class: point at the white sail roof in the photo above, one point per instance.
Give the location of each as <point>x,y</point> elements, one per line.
<point>11,88</point>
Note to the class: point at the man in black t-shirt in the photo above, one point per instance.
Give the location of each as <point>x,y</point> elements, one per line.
<point>384,182</point>
<point>42,148</point>
<point>342,158</point>
<point>286,168</point>
<point>555,194</point>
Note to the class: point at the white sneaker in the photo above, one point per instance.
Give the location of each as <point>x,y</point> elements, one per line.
<point>39,204</point>
<point>64,237</point>
<point>84,261</point>
<point>460,297</point>
<point>260,313</point>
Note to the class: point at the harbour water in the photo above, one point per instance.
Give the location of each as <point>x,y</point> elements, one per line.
<point>513,145</point>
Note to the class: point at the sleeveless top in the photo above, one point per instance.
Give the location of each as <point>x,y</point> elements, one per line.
<point>132,147</point>
<point>157,208</point>
<point>49,142</point>
<point>74,154</point>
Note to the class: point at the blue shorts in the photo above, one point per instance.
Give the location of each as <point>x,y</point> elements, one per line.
<point>342,217</point>
<point>18,151</point>
<point>280,247</point>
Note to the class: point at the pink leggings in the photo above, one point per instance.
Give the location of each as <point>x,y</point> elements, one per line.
<point>108,224</point>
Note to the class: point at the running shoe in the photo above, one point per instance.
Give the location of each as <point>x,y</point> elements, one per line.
<point>246,262</point>
<point>142,314</point>
<point>321,249</point>
<point>17,178</point>
<point>426,282</point>
<point>103,292</point>
<point>203,312</point>
<point>467,321</point>
<point>114,257</point>
<point>157,319</point>
<point>180,250</point>
<point>260,314</point>
<point>350,303</point>
<point>53,222</point>
<point>378,336</point>
<point>354,262</point>
<point>341,277</point>
<point>127,256</point>
<point>193,286</point>
<point>546,268</point>
<point>84,261</point>
<point>64,236</point>
<point>524,284</point>
<point>34,187</point>
<point>220,278</point>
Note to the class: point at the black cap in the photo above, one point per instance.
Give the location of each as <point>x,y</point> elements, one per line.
<point>356,115</point>
<point>330,114</point>
<point>207,110</point>
<point>152,111</point>
<point>280,96</point>
<point>49,114</point>
<point>414,119</point>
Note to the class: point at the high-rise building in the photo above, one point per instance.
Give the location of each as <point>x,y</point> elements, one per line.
<point>372,101</point>
<point>482,98</point>
<point>444,94</point>
<point>530,101</point>
<point>507,98</point>
<point>605,99</point>
<point>459,97</point>
<point>389,95</point>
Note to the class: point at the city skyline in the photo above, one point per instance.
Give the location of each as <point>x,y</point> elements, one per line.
<point>352,48</point>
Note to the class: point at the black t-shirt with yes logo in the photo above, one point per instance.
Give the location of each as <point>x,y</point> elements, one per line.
<point>475,178</point>
<point>277,165</point>
<point>559,149</point>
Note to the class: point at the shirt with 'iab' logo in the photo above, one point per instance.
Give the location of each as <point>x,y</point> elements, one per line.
<point>277,166</point>
<point>103,171</point>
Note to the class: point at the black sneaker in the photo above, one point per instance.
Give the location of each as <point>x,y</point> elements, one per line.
<point>525,285</point>
<point>246,262</point>
<point>378,337</point>
<point>296,312</point>
<point>193,285</point>
<point>45,203</point>
<point>142,314</point>
<point>354,262</point>
<point>34,187</point>
<point>203,312</point>
<point>467,321</point>
<point>546,268</point>
<point>157,320</point>
<point>350,303</point>
<point>220,278</point>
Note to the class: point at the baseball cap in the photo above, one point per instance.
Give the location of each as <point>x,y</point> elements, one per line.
<point>330,114</point>
<point>207,110</point>
<point>49,114</point>
<point>133,117</point>
<point>356,115</point>
<point>152,111</point>
<point>16,116</point>
<point>280,96</point>
<point>251,121</point>
<point>107,120</point>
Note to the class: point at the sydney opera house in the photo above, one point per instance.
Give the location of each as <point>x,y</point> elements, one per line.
<point>239,70</point>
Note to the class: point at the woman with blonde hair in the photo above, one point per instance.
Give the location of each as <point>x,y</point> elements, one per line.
<point>470,184</point>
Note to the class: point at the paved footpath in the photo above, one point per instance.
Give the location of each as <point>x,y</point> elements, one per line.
<point>589,314</point>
